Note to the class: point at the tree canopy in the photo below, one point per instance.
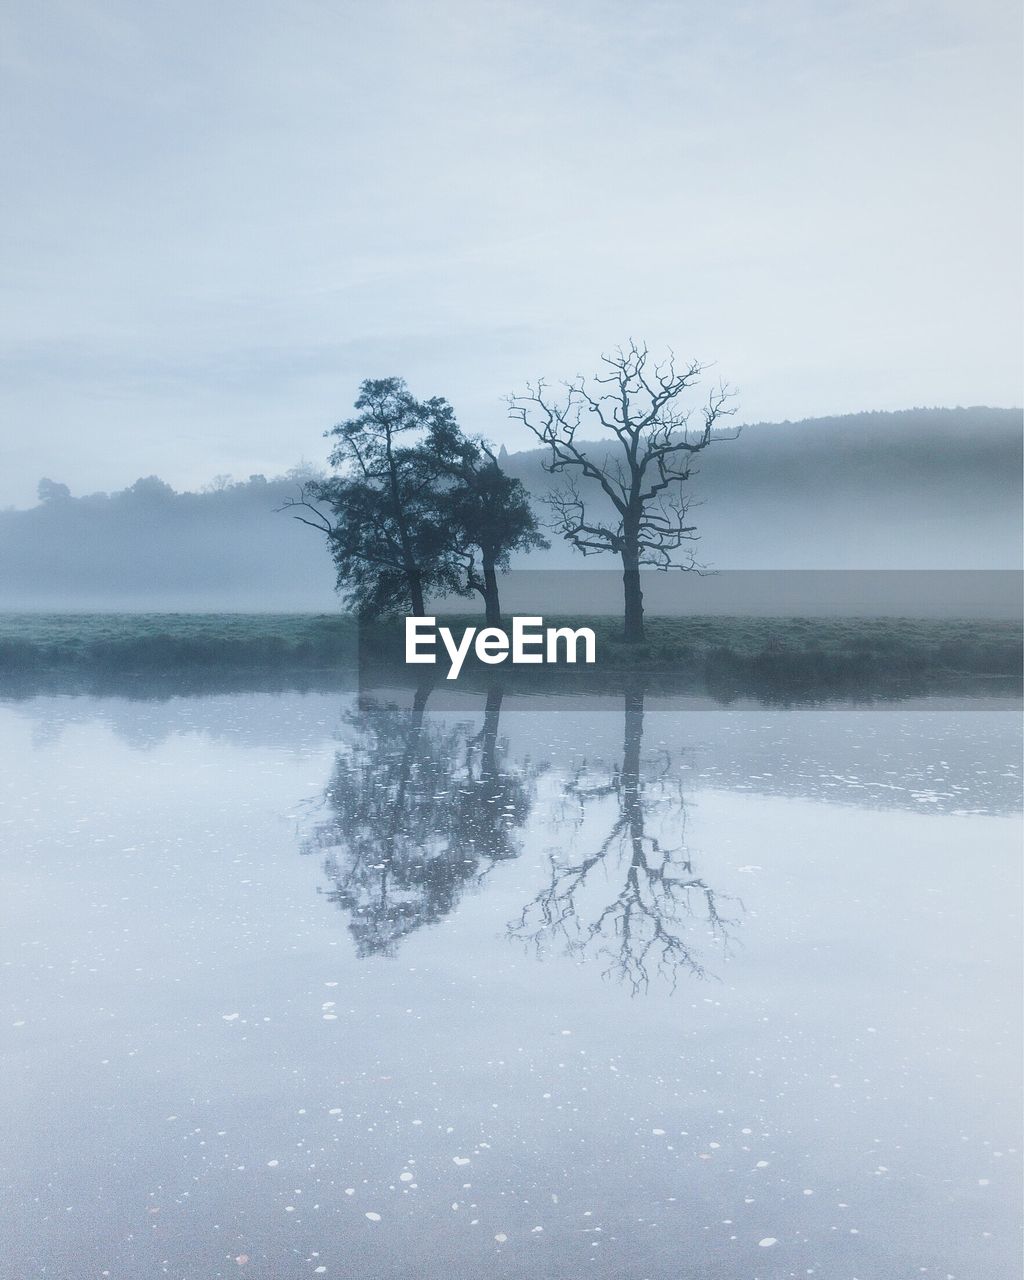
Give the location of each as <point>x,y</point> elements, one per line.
<point>388,546</point>
<point>488,514</point>
<point>415,507</point>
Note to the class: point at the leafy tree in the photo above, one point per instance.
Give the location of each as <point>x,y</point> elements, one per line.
<point>149,489</point>
<point>643,472</point>
<point>415,507</point>
<point>52,490</point>
<point>487,511</point>
<point>388,544</point>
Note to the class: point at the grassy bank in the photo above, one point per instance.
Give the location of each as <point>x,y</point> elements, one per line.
<point>970,646</point>
<point>158,642</point>
<point>725,656</point>
<point>771,659</point>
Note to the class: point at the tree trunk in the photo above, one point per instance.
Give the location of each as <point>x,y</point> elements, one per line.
<point>631,799</point>
<point>416,594</point>
<point>633,736</point>
<point>489,739</point>
<point>634,598</point>
<point>492,605</point>
<point>412,573</point>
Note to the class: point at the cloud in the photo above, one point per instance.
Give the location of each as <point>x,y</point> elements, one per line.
<point>218,210</point>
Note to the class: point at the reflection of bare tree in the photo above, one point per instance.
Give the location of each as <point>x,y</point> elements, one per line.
<point>645,925</point>
<point>416,810</point>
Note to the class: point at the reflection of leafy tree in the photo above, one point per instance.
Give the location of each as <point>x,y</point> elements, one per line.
<point>417,808</point>
<point>645,924</point>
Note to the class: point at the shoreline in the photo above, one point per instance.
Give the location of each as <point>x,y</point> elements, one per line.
<point>773,659</point>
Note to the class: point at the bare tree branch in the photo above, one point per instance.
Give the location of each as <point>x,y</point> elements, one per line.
<point>642,474</point>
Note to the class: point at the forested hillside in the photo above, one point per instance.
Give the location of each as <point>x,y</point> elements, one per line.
<point>919,489</point>
<point>926,488</point>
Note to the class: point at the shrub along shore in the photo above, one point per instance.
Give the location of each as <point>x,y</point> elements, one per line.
<point>724,655</point>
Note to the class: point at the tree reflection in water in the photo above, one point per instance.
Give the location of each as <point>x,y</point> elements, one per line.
<point>655,900</point>
<point>417,810</point>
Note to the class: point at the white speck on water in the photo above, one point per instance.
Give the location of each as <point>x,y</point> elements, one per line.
<point>229,1017</point>
<point>460,1160</point>
<point>272,1164</point>
<point>501,1237</point>
<point>350,1191</point>
<point>658,1132</point>
<point>374,1217</point>
<point>767,1242</point>
<point>406,1176</point>
<point>761,1164</point>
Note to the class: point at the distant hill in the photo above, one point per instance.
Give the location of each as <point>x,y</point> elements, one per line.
<point>925,488</point>
<point>148,547</point>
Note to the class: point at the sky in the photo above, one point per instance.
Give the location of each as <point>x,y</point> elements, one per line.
<point>220,218</point>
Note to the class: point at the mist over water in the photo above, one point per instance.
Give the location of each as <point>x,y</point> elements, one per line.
<point>923,490</point>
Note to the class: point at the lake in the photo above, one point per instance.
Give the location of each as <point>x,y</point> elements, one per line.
<point>414,983</point>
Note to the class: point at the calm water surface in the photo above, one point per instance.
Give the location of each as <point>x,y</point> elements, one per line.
<point>416,985</point>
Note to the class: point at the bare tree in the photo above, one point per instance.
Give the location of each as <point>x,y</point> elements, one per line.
<point>643,472</point>
<point>631,900</point>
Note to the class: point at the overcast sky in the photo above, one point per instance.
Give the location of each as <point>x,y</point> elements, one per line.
<point>219,218</point>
